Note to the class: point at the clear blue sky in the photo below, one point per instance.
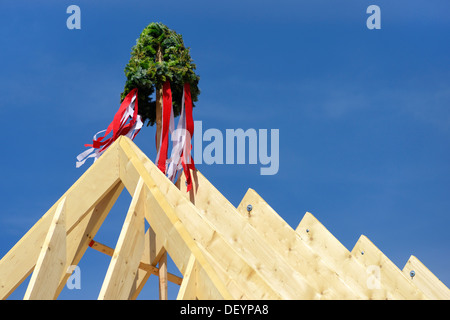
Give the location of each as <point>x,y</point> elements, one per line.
<point>363,114</point>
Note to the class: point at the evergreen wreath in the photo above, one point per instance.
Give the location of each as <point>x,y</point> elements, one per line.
<point>147,74</point>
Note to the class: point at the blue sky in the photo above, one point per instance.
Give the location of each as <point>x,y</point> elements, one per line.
<point>363,114</point>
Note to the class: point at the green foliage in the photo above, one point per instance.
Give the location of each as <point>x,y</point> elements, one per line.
<point>145,73</point>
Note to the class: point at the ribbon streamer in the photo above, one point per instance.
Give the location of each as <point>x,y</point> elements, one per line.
<point>118,127</point>
<point>180,158</point>
<point>166,127</point>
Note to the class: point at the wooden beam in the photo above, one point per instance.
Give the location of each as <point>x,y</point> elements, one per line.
<point>162,227</point>
<point>335,254</point>
<point>154,248</point>
<point>226,237</point>
<point>425,280</point>
<point>188,288</point>
<point>223,252</point>
<point>238,276</point>
<point>79,238</point>
<point>269,245</point>
<point>162,273</point>
<point>142,265</point>
<point>165,223</point>
<point>84,195</point>
<point>138,284</point>
<point>195,285</point>
<point>161,215</point>
<point>153,251</point>
<point>391,277</point>
<point>51,261</point>
<point>130,245</point>
<point>234,271</point>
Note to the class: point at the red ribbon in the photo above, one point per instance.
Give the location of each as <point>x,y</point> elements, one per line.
<point>118,126</point>
<point>189,125</point>
<point>166,113</point>
<point>190,129</point>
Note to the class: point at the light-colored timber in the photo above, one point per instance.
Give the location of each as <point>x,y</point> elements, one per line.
<point>221,251</point>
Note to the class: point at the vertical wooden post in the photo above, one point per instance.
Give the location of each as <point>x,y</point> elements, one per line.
<point>163,290</point>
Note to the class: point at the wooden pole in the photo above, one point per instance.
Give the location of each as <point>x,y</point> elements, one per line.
<point>159,103</point>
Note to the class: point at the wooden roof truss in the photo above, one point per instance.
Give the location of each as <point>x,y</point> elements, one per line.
<point>222,252</point>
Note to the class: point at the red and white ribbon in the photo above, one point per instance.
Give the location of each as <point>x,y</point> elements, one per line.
<point>166,127</point>
<point>187,162</point>
<point>180,158</point>
<point>128,110</point>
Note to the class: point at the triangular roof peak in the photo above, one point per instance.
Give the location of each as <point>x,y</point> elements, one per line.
<point>222,252</point>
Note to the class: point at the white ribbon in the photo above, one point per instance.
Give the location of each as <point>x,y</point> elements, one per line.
<point>178,144</point>
<point>95,152</point>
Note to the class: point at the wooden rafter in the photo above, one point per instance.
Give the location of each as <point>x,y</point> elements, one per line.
<point>263,225</point>
<point>222,251</point>
<point>127,255</point>
<point>51,261</point>
<point>84,195</point>
<point>188,289</point>
<point>79,238</point>
<point>425,280</point>
<point>394,280</point>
